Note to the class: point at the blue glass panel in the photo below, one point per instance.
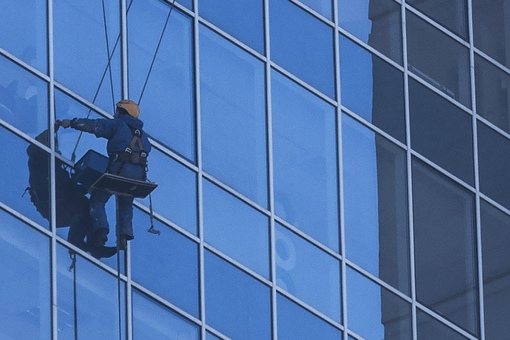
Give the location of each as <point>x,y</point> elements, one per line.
<point>233,116</point>
<point>375,191</point>
<point>372,88</point>
<point>236,229</point>
<point>375,22</point>
<point>296,272</point>
<point>210,336</point>
<point>244,20</point>
<point>24,34</point>
<point>153,321</point>
<point>167,102</point>
<point>25,280</point>
<point>295,323</point>
<point>323,7</point>
<point>187,3</point>
<point>175,197</point>
<point>88,300</point>
<point>167,263</point>
<point>430,328</point>
<point>303,45</point>
<point>23,99</point>
<point>82,54</point>
<point>20,176</point>
<point>236,304</point>
<point>305,172</point>
<point>375,312</point>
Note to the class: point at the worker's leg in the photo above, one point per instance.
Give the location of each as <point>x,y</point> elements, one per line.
<point>125,220</point>
<point>100,225</point>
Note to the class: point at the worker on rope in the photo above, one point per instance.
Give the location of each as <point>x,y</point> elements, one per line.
<point>128,147</point>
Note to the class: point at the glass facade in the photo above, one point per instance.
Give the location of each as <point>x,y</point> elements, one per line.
<point>326,169</point>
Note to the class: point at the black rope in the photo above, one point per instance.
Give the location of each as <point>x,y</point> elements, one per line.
<point>156,52</point>
<point>75,299</point>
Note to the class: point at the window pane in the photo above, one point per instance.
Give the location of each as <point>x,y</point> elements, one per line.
<point>492,93</point>
<point>491,28</point>
<point>441,131</point>
<point>430,328</point>
<point>303,45</point>
<point>375,191</point>
<point>296,271</point>
<point>82,57</point>
<point>167,263</point>
<point>23,27</point>
<point>438,59</point>
<point>233,116</point>
<point>451,14</point>
<point>244,20</point>
<point>375,312</point>
<point>25,281</point>
<point>167,103</point>
<point>236,229</point>
<point>372,88</point>
<point>323,7</point>
<point>305,172</point>
<point>175,197</point>
<point>88,300</point>
<point>445,254</point>
<point>153,321</point>
<point>22,174</point>
<point>236,304</point>
<point>295,323</point>
<point>375,22</point>
<point>496,271</point>
<point>23,99</point>
<point>494,163</point>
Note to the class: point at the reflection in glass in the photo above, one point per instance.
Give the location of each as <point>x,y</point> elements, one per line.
<point>494,164</point>
<point>451,14</point>
<point>23,99</point>
<point>492,93</point>
<point>167,104</point>
<point>438,59</point>
<point>372,88</point>
<point>305,174</point>
<point>175,197</point>
<point>17,194</point>
<point>430,328</point>
<point>24,34</point>
<point>236,304</point>
<point>167,264</point>
<point>491,29</point>
<point>233,116</point>
<point>445,254</point>
<point>244,20</point>
<point>296,272</point>
<point>375,191</point>
<point>153,321</point>
<point>376,22</point>
<point>303,45</point>
<point>83,58</point>
<point>496,271</point>
<point>375,312</point>
<point>441,131</point>
<point>88,300</point>
<point>236,229</point>
<point>25,281</point>
<point>295,323</point>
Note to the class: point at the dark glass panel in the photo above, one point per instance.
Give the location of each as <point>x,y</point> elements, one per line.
<point>438,59</point>
<point>430,328</point>
<point>376,22</point>
<point>445,254</point>
<point>25,306</point>
<point>441,131</point>
<point>372,88</point>
<point>375,194</point>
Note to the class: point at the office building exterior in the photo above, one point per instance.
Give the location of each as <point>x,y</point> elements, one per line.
<point>326,169</point>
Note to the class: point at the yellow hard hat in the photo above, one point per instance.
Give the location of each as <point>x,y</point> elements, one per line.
<point>130,106</point>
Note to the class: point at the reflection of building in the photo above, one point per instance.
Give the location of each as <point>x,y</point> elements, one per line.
<point>309,187</point>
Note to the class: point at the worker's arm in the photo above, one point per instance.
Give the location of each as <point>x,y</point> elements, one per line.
<point>100,127</point>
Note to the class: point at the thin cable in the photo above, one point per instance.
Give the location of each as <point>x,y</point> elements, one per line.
<point>75,300</point>
<point>109,66</point>
<point>156,52</point>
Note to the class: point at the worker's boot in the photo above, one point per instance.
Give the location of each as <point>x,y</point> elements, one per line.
<point>99,238</point>
<point>100,252</point>
<point>122,242</point>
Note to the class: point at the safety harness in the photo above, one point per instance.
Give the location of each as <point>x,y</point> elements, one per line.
<point>130,155</point>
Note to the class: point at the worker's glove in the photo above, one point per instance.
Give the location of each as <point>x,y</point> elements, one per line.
<point>65,123</point>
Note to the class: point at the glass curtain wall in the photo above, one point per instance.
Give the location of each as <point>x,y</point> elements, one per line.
<point>332,169</point>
